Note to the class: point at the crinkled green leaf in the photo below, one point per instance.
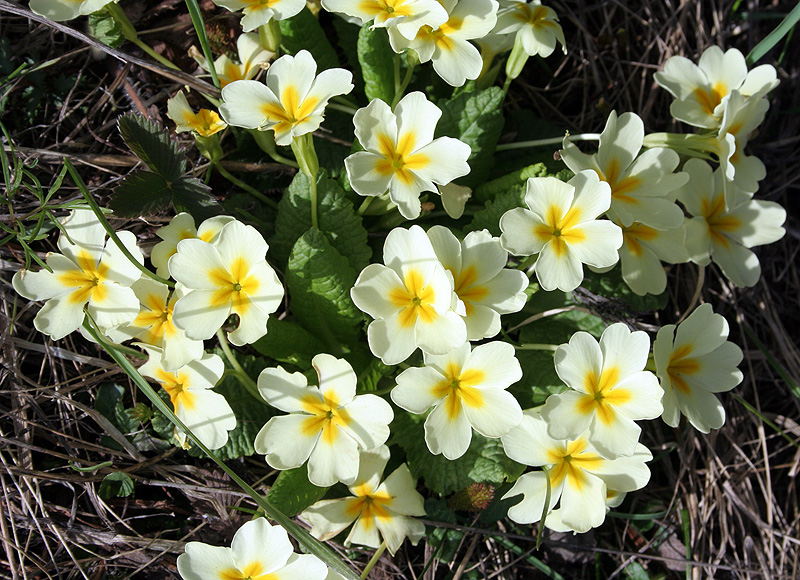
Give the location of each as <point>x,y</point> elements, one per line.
<point>104,27</point>
<point>140,193</point>
<point>108,398</point>
<point>489,217</point>
<point>192,195</point>
<point>151,143</point>
<point>610,285</point>
<point>490,189</point>
<point>292,492</point>
<point>337,219</point>
<point>304,32</point>
<point>484,461</point>
<point>477,120</point>
<point>288,342</point>
<point>319,280</point>
<point>376,57</point>
<point>116,484</point>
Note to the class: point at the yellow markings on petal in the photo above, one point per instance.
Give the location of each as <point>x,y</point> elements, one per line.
<point>536,16</point>
<point>176,384</point>
<point>637,233</point>
<point>621,189</point>
<point>441,36</point>
<point>88,280</point>
<point>368,506</point>
<point>234,285</point>
<point>467,290</point>
<point>719,222</point>
<point>571,461</point>
<point>399,158</point>
<point>291,110</point>
<point>253,5</point>
<point>250,571</point>
<point>205,122</point>
<point>155,320</point>
<point>560,229</point>
<point>710,98</point>
<point>326,416</point>
<point>601,395</point>
<point>385,9</point>
<point>680,365</point>
<point>459,387</point>
<point>415,300</point>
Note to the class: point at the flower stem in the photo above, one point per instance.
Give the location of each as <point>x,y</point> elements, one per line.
<point>303,147</point>
<point>200,30</point>
<point>374,560</point>
<point>365,204</point>
<point>550,141</point>
<point>400,87</point>
<point>240,373</point>
<point>129,32</point>
<point>537,346</point>
<point>242,185</point>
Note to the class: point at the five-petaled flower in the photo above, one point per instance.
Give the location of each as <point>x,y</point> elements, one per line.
<point>62,10</point>
<point>181,227</point>
<point>378,509</point>
<point>292,101</point>
<point>536,25</point>
<point>405,15</point>
<point>204,122</point>
<point>260,12</point>
<point>327,425</point>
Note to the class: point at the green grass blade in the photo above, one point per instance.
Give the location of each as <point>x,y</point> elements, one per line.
<point>202,37</point>
<point>774,37</point>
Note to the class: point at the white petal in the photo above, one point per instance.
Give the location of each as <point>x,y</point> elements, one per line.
<point>334,458</point>
<point>200,561</point>
<point>415,390</point>
<point>533,487</point>
<point>369,420</point>
<point>199,314</point>
<point>286,391</point>
<point>499,413</point>
<point>446,434</point>
<point>257,542</point>
<point>285,442</point>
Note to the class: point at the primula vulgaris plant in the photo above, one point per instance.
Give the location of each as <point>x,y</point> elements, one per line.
<point>313,303</point>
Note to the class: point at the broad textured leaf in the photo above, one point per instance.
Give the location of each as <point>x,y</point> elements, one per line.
<point>151,143</point>
<point>116,484</point>
<point>140,193</point>
<point>192,195</point>
<point>490,189</point>
<point>610,285</point>
<point>319,280</point>
<point>337,219</point>
<point>484,462</point>
<point>288,342</point>
<point>477,120</point>
<point>489,217</point>
<point>376,57</point>
<point>292,492</point>
<point>106,29</point>
<point>304,32</point>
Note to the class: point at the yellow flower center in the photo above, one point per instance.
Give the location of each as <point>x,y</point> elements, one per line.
<point>680,365</point>
<point>291,110</point>
<point>458,388</point>
<point>155,320</point>
<point>601,397</point>
<point>719,223</point>
<point>399,158</point>
<point>369,506</point>
<point>709,99</point>
<point>176,385</point>
<point>88,280</point>
<point>326,416</point>
<point>467,290</point>
<point>234,287</point>
<point>621,189</point>
<point>634,235</point>
<point>415,299</point>
<point>570,462</point>
<point>560,231</point>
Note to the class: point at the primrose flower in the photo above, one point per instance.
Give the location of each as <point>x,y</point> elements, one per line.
<point>258,551</point>
<point>561,225</point>
<point>182,227</point>
<point>482,283</point>
<point>642,186</point>
<point>62,10</point>
<point>229,277</point>
<point>292,101</point>
<point>609,390</point>
<point>411,299</point>
<point>401,156</point>
<point>90,273</point>
<point>327,425</point>
<point>204,123</point>
<point>723,233</point>
<point>154,326</point>
<point>377,508</point>
<point>408,16</point>
<point>260,12</point>
<point>536,25</point>
<point>692,364</point>
<point>252,55</point>
<point>466,389</point>
<point>454,59</point>
<point>579,476</point>
<point>206,413</point>
<point>701,89</point>
<point>740,119</point>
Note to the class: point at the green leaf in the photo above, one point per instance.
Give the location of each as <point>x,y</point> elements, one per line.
<point>376,57</point>
<point>490,189</point>
<point>610,285</point>
<point>151,143</point>
<point>484,461</point>
<point>117,484</point>
<point>109,397</point>
<point>140,193</point>
<point>319,280</point>
<point>635,571</point>
<point>337,219</point>
<point>489,217</point>
<point>288,342</point>
<point>784,28</point>
<point>292,492</point>
<point>477,120</point>
<point>192,195</point>
<point>106,29</point>
<point>304,32</point>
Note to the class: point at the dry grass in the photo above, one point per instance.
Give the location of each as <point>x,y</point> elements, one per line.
<point>728,500</point>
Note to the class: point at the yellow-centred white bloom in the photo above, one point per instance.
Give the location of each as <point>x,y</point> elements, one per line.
<point>723,232</point>
<point>408,16</point>
<point>378,509</point>
<point>694,362</point>
<point>467,390</point>
<point>292,101</point>
<point>560,224</point>
<point>536,25</point>
<point>701,89</point>
<point>482,282</point>
<point>181,227</point>
<point>259,551</point>
<point>401,156</point>
<point>154,326</point>
<point>454,58</point>
<point>88,273</point>
<point>609,390</point>
<point>740,118</point>
<point>579,476</point>
<point>642,186</point>
<point>204,122</point>
<point>411,299</point>
<point>62,10</point>
<point>260,12</point>
<point>252,58</point>
<point>229,277</point>
<point>327,425</point>
<point>206,413</point>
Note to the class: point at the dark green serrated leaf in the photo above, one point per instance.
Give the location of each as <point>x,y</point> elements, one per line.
<point>151,143</point>
<point>192,195</point>
<point>484,462</point>
<point>477,120</point>
<point>288,342</point>
<point>376,57</point>
<point>292,492</point>
<point>319,280</point>
<point>106,29</point>
<point>337,219</point>
<point>140,193</point>
<point>304,32</point>
<point>489,217</point>
<point>117,484</point>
